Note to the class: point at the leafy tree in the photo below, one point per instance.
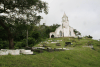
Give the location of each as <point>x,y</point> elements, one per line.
<point>90,36</point>
<point>77,32</point>
<point>20,15</point>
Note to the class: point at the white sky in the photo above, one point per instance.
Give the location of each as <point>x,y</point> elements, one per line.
<point>84,15</point>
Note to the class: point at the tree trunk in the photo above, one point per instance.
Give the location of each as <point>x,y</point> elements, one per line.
<point>10,36</point>
<point>11,44</point>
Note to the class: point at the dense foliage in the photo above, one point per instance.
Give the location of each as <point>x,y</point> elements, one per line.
<point>19,15</point>
<point>36,34</point>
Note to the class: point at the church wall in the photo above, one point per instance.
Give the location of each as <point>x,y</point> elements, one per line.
<point>66,32</point>
<point>72,32</point>
<point>57,31</point>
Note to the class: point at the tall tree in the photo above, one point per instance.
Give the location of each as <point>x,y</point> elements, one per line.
<point>19,15</point>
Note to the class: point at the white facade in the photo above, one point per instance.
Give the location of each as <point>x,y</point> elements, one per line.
<point>64,30</point>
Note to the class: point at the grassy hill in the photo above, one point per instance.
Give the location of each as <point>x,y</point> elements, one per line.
<point>77,57</point>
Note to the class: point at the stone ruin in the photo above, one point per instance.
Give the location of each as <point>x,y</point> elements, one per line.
<point>15,52</point>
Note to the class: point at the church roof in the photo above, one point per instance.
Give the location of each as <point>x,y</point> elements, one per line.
<point>64,15</point>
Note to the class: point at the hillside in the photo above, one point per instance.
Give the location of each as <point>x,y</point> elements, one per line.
<point>76,56</point>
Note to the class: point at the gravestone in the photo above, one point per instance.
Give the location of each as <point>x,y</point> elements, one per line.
<point>3,52</point>
<point>49,49</point>
<point>67,44</point>
<point>14,52</point>
<point>33,48</point>
<point>58,44</point>
<point>26,52</point>
<point>53,42</point>
<point>73,41</point>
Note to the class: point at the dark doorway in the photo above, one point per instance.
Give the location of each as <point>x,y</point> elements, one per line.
<point>52,36</point>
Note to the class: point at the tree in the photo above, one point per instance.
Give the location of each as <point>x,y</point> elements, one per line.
<point>77,32</point>
<point>17,11</point>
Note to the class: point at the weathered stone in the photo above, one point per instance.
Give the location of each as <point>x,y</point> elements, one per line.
<point>3,52</point>
<point>58,48</point>
<point>67,44</point>
<point>33,48</point>
<point>58,44</point>
<point>14,52</point>
<point>49,40</point>
<point>40,48</point>
<point>53,42</point>
<point>26,52</point>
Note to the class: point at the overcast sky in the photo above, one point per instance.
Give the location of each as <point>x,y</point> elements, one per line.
<point>84,15</point>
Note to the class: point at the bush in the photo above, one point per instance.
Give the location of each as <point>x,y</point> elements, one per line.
<point>90,36</point>
<point>20,44</point>
<point>31,41</point>
<point>4,44</point>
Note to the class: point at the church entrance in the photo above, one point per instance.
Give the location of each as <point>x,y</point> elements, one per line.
<point>60,33</point>
<point>52,36</point>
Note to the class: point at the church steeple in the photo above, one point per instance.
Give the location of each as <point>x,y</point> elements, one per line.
<point>64,15</point>
<point>64,18</point>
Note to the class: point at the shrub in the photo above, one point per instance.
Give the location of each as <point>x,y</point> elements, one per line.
<point>31,41</point>
<point>4,44</point>
<point>18,45</point>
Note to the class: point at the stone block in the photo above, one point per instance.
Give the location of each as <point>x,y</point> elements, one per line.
<point>53,42</point>
<point>49,40</point>
<point>40,48</point>
<point>64,48</point>
<point>3,52</point>
<point>20,50</point>
<point>58,48</point>
<point>58,44</point>
<point>14,52</point>
<point>26,52</point>
<point>33,48</point>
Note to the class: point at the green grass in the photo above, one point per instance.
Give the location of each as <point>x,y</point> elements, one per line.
<point>77,57</point>
<point>82,57</point>
<point>78,43</point>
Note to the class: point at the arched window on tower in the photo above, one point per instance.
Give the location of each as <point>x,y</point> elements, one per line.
<point>60,33</point>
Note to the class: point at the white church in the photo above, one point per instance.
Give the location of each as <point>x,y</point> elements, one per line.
<point>64,30</point>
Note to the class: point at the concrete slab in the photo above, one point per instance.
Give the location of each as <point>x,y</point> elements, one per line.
<point>34,48</point>
<point>58,48</point>
<point>14,52</point>
<point>40,48</point>
<point>26,52</point>
<point>54,42</point>
<point>3,52</point>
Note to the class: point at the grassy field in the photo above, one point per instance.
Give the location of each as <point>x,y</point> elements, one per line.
<point>77,57</point>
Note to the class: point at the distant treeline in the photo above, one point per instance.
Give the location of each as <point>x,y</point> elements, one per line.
<point>36,34</point>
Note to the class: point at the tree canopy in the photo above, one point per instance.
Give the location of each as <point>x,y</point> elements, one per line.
<point>19,15</point>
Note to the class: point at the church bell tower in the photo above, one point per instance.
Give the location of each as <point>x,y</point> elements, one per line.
<point>65,22</point>
<point>65,25</point>
<point>64,18</point>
